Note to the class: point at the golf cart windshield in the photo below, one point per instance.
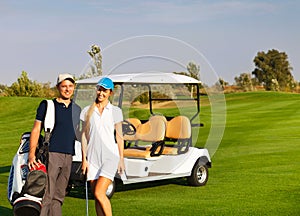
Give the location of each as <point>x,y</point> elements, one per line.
<point>143,95</point>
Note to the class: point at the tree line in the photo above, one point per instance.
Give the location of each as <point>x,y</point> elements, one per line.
<point>28,88</point>
<point>272,72</point>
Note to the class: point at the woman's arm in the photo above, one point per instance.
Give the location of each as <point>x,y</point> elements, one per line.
<point>120,142</point>
<point>84,142</point>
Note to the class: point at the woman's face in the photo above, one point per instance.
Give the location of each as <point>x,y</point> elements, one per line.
<point>103,94</point>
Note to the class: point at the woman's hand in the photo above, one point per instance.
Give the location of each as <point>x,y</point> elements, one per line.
<point>84,167</point>
<point>121,166</point>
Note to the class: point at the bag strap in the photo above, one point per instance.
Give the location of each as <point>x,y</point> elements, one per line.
<point>43,151</point>
<point>50,116</point>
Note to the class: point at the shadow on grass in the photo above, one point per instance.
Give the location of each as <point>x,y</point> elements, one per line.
<point>4,169</point>
<point>136,186</point>
<point>6,211</point>
<point>78,190</point>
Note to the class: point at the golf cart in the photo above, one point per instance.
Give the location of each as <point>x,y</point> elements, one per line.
<point>161,127</point>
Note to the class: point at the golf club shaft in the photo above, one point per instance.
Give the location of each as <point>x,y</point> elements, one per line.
<point>86,198</point>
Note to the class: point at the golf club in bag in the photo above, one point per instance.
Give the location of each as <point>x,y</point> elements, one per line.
<point>26,188</point>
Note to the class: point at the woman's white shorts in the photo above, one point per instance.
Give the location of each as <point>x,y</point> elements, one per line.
<point>107,169</point>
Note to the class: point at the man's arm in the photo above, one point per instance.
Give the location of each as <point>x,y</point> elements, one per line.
<point>33,142</point>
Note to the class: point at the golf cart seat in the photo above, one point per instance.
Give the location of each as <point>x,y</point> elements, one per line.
<point>179,132</point>
<point>153,132</point>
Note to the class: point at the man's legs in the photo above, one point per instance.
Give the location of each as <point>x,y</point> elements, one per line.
<point>59,168</point>
<point>61,185</point>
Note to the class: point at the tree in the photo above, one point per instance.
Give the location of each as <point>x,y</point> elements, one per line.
<point>193,70</point>
<point>271,68</point>
<point>25,87</point>
<point>2,89</point>
<point>244,81</point>
<point>95,68</point>
<point>223,83</point>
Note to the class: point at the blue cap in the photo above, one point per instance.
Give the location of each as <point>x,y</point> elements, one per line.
<point>106,83</point>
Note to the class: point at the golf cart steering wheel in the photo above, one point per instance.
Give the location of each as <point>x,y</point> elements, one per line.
<point>128,128</point>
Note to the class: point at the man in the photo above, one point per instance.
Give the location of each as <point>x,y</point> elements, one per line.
<point>61,147</point>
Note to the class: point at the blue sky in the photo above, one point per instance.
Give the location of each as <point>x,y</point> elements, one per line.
<point>45,38</point>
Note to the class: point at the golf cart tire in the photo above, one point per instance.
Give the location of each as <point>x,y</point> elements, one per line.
<point>199,175</point>
<point>111,190</point>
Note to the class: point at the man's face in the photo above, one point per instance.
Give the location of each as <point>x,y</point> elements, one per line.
<point>66,89</point>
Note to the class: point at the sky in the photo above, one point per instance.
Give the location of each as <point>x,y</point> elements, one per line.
<point>45,38</point>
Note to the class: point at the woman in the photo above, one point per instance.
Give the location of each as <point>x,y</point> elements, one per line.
<point>101,157</point>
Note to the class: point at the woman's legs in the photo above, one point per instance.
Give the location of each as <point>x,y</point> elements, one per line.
<point>102,203</point>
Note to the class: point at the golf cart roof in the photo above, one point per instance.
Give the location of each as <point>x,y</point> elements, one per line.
<point>154,77</point>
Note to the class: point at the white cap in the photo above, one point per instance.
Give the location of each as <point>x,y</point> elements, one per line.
<point>66,76</point>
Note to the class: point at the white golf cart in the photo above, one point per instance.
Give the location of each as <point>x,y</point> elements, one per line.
<point>161,127</point>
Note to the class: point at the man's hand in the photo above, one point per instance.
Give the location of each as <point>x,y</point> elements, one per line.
<point>32,163</point>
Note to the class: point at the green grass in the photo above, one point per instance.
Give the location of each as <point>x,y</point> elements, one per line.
<point>255,169</point>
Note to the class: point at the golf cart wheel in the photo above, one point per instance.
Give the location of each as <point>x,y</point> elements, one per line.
<point>199,175</point>
<point>111,189</point>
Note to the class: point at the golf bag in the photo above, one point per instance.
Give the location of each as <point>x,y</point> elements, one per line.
<point>26,188</point>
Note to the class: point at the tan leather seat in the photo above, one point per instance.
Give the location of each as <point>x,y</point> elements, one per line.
<point>152,131</point>
<point>178,129</point>
<point>136,153</point>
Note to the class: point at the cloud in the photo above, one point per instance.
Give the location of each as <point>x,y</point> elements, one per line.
<point>181,12</point>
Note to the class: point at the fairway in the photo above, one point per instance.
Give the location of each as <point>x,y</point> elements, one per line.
<point>255,170</point>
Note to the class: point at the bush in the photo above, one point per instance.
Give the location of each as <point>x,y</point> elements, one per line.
<point>27,88</point>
